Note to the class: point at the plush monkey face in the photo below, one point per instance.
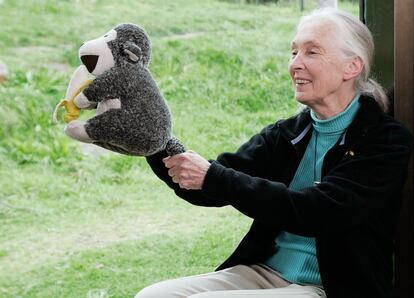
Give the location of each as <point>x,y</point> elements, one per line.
<point>96,55</point>
<point>127,43</point>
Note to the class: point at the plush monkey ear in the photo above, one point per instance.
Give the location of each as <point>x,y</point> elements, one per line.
<point>133,51</point>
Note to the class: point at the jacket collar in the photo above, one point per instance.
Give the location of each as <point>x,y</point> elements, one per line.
<point>296,128</point>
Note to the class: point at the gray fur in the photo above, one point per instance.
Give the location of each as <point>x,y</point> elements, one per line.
<point>142,126</point>
<point>130,33</point>
<point>174,147</point>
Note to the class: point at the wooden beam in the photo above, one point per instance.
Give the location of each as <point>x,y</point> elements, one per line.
<point>404,111</point>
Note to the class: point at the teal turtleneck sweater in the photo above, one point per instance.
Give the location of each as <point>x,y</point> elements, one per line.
<point>295,256</point>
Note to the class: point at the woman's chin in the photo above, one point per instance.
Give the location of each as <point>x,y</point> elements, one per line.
<point>301,97</point>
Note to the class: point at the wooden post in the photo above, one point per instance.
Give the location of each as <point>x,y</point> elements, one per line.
<point>394,67</point>
<point>378,15</point>
<point>302,5</point>
<point>404,111</point>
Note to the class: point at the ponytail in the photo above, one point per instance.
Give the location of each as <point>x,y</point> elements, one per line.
<point>371,88</point>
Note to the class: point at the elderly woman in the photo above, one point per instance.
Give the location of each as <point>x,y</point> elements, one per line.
<point>323,187</point>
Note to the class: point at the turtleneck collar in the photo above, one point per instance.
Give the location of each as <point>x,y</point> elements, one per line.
<point>339,122</point>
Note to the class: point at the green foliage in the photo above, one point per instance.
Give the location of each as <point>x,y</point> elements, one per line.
<point>76,221</point>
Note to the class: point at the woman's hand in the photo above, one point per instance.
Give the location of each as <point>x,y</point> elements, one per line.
<point>188,169</point>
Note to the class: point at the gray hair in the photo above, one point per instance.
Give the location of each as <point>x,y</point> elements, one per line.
<point>357,41</point>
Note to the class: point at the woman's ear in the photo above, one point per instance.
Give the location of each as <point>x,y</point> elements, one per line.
<point>353,68</point>
<point>133,52</point>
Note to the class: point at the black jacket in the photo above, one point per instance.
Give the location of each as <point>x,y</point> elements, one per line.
<point>352,212</point>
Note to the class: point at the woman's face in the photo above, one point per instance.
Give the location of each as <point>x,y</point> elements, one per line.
<point>317,65</point>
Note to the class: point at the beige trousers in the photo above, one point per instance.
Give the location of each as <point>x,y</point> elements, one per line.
<point>240,281</point>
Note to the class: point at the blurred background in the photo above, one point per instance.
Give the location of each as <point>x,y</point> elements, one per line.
<point>79,221</point>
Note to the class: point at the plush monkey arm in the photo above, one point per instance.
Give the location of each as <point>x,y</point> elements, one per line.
<point>108,85</point>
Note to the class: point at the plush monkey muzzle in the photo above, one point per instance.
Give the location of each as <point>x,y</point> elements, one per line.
<point>96,55</point>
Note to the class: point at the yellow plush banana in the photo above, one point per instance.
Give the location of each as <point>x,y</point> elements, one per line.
<point>72,111</point>
<point>79,81</point>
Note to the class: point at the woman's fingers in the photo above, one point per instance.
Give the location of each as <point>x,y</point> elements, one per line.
<point>188,169</point>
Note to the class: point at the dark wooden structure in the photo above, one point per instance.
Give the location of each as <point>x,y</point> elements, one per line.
<point>392,24</point>
<point>404,111</point>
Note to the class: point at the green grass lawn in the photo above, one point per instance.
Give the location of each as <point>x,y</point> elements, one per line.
<point>77,222</point>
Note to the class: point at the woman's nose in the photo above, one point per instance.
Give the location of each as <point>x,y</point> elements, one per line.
<point>296,61</point>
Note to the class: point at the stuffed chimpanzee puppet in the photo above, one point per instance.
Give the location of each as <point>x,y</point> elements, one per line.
<point>132,115</point>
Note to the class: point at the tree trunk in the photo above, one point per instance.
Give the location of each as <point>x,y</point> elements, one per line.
<point>328,3</point>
